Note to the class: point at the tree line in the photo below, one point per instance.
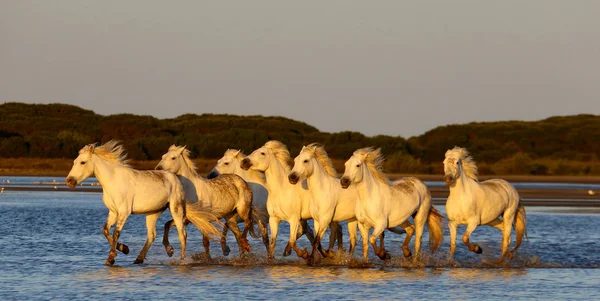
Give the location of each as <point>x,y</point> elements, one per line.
<point>566,145</point>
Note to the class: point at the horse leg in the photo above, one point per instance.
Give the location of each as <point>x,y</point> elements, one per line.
<point>305,229</point>
<point>224,247</point>
<point>420,219</point>
<point>333,236</point>
<point>378,229</point>
<point>274,228</point>
<point>364,233</point>
<point>121,219</point>
<point>315,245</point>
<point>352,233</point>
<point>293,231</point>
<point>243,244</point>
<point>471,226</point>
<point>452,226</point>
<point>409,229</point>
<point>151,228</point>
<point>177,208</point>
<point>110,221</point>
<point>168,248</point>
<point>265,233</point>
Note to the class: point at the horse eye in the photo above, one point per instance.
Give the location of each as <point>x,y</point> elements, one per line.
<point>82,162</point>
<point>173,158</point>
<point>357,165</point>
<point>305,161</point>
<point>262,153</point>
<point>226,163</point>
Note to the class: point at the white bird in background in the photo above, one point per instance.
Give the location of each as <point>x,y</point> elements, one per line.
<point>591,192</point>
<point>2,190</point>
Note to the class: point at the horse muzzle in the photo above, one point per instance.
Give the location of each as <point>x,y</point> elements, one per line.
<point>245,164</point>
<point>293,178</point>
<point>345,182</point>
<point>448,179</point>
<point>212,174</point>
<point>71,182</point>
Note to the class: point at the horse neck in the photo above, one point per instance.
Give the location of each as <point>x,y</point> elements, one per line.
<point>188,172</point>
<point>276,175</point>
<point>370,187</point>
<point>104,171</point>
<point>463,183</point>
<point>250,175</point>
<point>320,180</point>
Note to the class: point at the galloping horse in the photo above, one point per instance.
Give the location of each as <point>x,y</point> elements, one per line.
<point>127,191</point>
<point>382,205</point>
<point>230,164</point>
<point>227,196</point>
<point>286,202</point>
<point>473,203</point>
<point>329,202</point>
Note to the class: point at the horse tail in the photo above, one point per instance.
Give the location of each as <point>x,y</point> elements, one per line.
<point>520,223</point>
<point>434,224</point>
<point>203,217</point>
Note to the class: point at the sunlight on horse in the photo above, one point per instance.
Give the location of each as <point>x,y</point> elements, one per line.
<point>382,205</point>
<point>493,203</point>
<point>329,202</point>
<point>127,191</point>
<point>230,164</point>
<point>286,202</point>
<point>228,196</point>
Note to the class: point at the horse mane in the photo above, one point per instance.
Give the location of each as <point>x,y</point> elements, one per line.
<point>468,164</point>
<point>318,151</point>
<point>373,158</point>
<point>110,151</point>
<point>282,154</point>
<point>185,153</point>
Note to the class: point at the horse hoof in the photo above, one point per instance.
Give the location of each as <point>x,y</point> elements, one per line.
<point>477,249</point>
<point>387,256</point>
<point>138,261</point>
<point>226,251</point>
<point>288,251</point>
<point>109,262</point>
<point>124,249</point>
<point>170,251</point>
<point>406,253</point>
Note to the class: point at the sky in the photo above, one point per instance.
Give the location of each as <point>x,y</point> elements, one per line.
<point>377,67</point>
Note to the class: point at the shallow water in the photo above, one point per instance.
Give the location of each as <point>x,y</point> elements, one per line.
<point>52,247</point>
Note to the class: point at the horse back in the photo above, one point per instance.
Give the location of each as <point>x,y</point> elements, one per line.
<point>229,184</point>
<point>500,193</point>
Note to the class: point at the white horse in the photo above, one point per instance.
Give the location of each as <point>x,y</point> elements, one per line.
<point>286,202</point>
<point>382,205</point>
<point>227,196</point>
<point>473,203</point>
<point>329,202</point>
<point>127,191</point>
<point>230,164</point>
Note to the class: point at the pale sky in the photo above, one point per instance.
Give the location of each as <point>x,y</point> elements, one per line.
<point>377,67</point>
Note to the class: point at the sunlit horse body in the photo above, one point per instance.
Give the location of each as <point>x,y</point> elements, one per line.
<point>230,164</point>
<point>286,202</point>
<point>383,205</point>
<point>227,196</point>
<point>329,202</point>
<point>127,191</point>
<point>473,203</point>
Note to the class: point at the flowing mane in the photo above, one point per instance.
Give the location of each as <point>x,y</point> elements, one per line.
<point>110,151</point>
<point>374,161</point>
<point>467,162</point>
<point>281,153</point>
<point>185,153</point>
<point>318,151</point>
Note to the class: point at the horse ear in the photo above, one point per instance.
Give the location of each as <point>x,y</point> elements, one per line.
<point>182,149</point>
<point>315,147</point>
<point>237,153</point>
<point>92,147</point>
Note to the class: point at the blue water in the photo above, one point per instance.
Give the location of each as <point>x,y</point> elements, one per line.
<point>51,247</point>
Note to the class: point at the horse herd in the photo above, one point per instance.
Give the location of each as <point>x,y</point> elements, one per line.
<point>265,188</point>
